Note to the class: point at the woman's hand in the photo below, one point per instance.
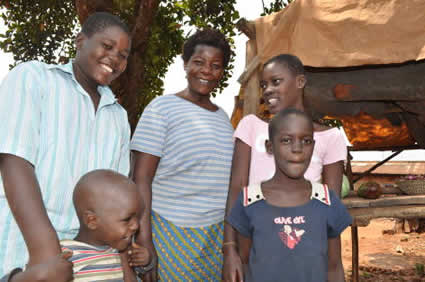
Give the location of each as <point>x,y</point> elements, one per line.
<point>232,265</point>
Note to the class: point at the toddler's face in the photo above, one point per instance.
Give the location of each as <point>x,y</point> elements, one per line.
<point>118,222</point>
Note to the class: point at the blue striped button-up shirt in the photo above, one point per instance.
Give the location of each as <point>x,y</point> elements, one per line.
<point>48,119</point>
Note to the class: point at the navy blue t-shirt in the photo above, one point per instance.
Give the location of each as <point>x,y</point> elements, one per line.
<point>289,243</point>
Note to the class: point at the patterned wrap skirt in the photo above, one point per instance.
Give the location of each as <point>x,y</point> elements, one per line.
<point>187,254</point>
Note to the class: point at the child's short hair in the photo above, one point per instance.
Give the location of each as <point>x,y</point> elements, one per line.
<point>92,185</point>
<point>209,37</point>
<point>280,117</point>
<point>293,63</point>
<point>99,21</point>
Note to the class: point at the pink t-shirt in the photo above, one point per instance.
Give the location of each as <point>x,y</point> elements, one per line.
<point>330,147</point>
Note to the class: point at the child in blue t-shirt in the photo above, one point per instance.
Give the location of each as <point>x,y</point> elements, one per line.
<point>294,225</point>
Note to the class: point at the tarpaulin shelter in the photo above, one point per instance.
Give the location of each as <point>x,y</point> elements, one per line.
<point>364,61</point>
<point>365,65</point>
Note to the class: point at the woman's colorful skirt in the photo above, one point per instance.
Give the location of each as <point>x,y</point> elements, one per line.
<point>187,254</point>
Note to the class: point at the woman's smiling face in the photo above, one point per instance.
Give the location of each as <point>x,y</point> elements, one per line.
<point>204,69</point>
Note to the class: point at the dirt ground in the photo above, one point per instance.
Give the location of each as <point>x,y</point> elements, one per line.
<point>386,257</point>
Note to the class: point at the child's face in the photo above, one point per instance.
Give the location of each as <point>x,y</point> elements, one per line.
<point>103,57</point>
<point>204,69</point>
<point>292,146</point>
<point>281,89</point>
<point>118,221</point>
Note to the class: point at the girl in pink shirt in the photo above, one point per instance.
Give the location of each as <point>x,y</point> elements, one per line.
<point>282,82</point>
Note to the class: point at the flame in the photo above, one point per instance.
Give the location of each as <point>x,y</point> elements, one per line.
<point>365,131</point>
<point>362,130</point>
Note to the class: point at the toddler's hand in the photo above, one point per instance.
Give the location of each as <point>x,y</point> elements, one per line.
<point>138,255</point>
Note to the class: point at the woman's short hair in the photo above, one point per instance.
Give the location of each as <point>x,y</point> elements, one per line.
<point>209,37</point>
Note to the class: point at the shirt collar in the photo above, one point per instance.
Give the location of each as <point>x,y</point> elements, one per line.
<point>107,96</point>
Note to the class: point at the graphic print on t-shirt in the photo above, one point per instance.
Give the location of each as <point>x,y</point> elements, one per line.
<point>289,234</point>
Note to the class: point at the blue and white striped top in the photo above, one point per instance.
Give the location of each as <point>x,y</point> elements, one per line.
<point>195,146</point>
<point>48,119</point>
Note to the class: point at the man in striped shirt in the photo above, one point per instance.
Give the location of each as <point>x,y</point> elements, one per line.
<point>57,123</point>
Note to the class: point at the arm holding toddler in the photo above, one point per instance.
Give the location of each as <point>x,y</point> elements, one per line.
<point>145,166</point>
<point>56,269</point>
<point>23,194</point>
<point>232,266</point>
<point>21,93</point>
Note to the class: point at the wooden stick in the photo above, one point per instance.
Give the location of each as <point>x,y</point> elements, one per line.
<point>246,27</point>
<point>355,253</point>
<point>249,70</point>
<point>252,87</point>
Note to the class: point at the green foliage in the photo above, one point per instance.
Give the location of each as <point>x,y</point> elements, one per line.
<point>45,31</point>
<point>39,30</point>
<point>168,36</point>
<point>164,45</point>
<point>275,6</point>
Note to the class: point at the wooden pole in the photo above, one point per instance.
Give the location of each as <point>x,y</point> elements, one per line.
<point>354,231</point>
<point>249,79</point>
<point>355,253</point>
<point>252,86</point>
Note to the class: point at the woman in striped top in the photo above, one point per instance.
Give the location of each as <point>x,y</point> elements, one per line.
<point>183,152</point>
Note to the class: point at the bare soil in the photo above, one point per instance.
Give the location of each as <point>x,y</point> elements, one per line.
<point>384,256</point>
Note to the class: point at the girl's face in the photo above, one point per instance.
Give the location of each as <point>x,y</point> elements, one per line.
<point>292,146</point>
<point>204,69</point>
<point>281,89</point>
<point>102,57</point>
